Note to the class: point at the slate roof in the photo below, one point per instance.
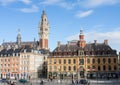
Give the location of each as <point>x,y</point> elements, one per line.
<point>89,49</point>
<point>67,48</point>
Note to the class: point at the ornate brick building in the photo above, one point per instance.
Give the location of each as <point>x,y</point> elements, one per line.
<point>81,59</point>
<point>26,58</point>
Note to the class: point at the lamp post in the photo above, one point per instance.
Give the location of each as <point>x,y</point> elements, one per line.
<point>59,69</point>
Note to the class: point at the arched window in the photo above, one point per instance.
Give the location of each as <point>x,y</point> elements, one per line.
<point>69,61</point>
<point>64,61</point>
<point>109,60</point>
<point>104,67</point>
<point>93,60</point>
<point>88,60</point>
<point>64,68</point>
<point>74,61</point>
<point>81,61</point>
<point>104,60</point>
<point>98,60</point>
<point>99,68</point>
<point>74,68</point>
<point>88,67</point>
<point>109,67</point>
<point>69,68</point>
<point>115,68</point>
<point>114,60</point>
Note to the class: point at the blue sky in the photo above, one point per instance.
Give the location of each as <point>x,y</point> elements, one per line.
<point>100,19</point>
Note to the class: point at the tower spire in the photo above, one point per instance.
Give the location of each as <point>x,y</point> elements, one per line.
<point>81,42</point>
<point>19,38</point>
<point>43,31</point>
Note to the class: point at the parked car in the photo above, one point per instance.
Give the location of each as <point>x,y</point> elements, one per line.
<point>23,81</point>
<point>84,82</point>
<point>4,80</point>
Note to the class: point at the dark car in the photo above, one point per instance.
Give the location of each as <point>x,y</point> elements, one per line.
<point>23,81</point>
<point>84,82</point>
<point>4,80</point>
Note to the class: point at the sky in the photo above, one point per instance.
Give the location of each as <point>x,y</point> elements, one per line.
<point>99,20</point>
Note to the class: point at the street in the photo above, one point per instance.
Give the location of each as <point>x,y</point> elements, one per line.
<point>69,82</point>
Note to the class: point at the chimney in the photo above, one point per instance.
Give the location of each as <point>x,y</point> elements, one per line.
<point>58,43</point>
<point>68,44</point>
<point>95,42</point>
<point>106,42</point>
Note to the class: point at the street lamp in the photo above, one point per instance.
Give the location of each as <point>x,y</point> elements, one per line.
<point>59,69</point>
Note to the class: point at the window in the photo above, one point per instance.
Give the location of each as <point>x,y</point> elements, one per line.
<point>115,68</point>
<point>74,68</point>
<point>69,68</point>
<point>93,61</point>
<point>109,68</point>
<point>59,61</point>
<point>99,68</point>
<point>64,61</point>
<point>93,67</point>
<point>109,60</point>
<point>69,61</point>
<point>81,61</point>
<point>74,61</point>
<point>64,68</point>
<point>104,68</point>
<point>104,60</point>
<point>88,67</point>
<point>54,61</point>
<point>50,61</point>
<point>88,60</point>
<point>114,60</point>
<point>98,60</point>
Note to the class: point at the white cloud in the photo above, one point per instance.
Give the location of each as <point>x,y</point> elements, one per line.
<point>113,37</point>
<point>5,2</point>
<point>34,8</point>
<point>82,14</point>
<point>95,3</point>
<point>61,3</point>
<point>26,1</point>
<point>50,2</point>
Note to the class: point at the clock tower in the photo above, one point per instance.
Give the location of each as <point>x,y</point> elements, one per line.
<point>43,32</point>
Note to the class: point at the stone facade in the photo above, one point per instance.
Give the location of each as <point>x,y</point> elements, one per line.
<point>83,59</point>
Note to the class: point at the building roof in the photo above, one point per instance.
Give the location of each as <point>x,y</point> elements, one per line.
<point>89,49</point>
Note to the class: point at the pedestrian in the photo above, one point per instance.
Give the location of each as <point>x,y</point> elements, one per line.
<point>73,83</point>
<point>51,78</point>
<point>41,83</point>
<point>76,82</point>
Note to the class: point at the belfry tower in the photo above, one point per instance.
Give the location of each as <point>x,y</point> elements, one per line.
<point>43,32</point>
<point>81,42</point>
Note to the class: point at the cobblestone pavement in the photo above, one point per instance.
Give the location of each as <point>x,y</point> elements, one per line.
<point>69,82</point>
